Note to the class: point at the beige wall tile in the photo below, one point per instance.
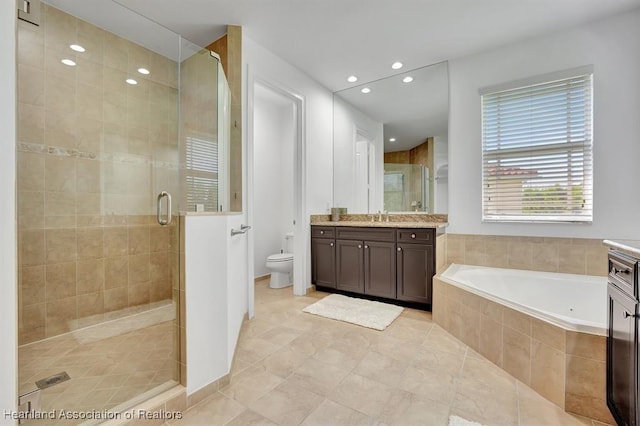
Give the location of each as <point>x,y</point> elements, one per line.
<point>587,345</point>
<point>139,266</point>
<point>88,174</point>
<point>60,174</point>
<point>597,260</point>
<point>32,285</point>
<point>586,377</point>
<point>90,242</point>
<point>490,340</point>
<point>115,299</point>
<point>520,255</point>
<point>90,277</point>
<point>32,247</point>
<point>474,251</point>
<point>115,52</point>
<point>545,257</point>
<point>60,93</point>
<point>548,372</point>
<point>159,238</point>
<point>517,321</point>
<point>497,254</point>
<point>31,171</point>
<point>32,323</point>
<point>61,245</point>
<point>139,294</point>
<point>116,272</point>
<point>31,203</point>
<point>160,290</point>
<point>492,310</point>
<point>90,304</point>
<point>516,354</point>
<point>60,204</point>
<point>548,334</point>
<point>60,281</point>
<point>572,259</point>
<point>31,85</point>
<point>593,408</point>
<point>160,266</point>
<point>455,248</point>
<point>91,38</point>
<point>116,242</point>
<point>30,123</point>
<point>61,316</point>
<point>470,327</point>
<point>138,239</point>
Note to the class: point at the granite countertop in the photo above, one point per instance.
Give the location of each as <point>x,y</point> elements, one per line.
<point>369,224</point>
<point>630,246</point>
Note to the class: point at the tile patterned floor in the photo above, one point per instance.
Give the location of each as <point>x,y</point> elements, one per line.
<point>108,364</point>
<point>293,368</point>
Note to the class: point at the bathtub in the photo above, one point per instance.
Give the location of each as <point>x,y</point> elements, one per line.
<point>573,302</point>
<point>545,329</point>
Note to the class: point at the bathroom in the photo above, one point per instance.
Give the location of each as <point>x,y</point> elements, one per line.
<point>550,246</point>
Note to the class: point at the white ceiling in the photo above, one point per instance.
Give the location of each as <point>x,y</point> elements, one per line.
<point>331,39</point>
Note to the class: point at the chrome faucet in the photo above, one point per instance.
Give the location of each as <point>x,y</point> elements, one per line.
<point>386,214</point>
<point>379,216</point>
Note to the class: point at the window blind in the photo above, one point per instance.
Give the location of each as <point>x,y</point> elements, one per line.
<point>201,173</point>
<point>537,161</point>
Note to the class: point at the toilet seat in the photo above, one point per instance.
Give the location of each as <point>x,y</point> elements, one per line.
<point>280,257</point>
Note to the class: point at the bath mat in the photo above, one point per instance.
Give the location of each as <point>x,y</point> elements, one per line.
<point>362,312</point>
<point>459,421</point>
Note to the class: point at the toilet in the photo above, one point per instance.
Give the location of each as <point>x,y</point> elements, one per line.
<point>281,265</point>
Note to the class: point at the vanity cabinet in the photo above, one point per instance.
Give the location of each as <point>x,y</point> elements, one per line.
<point>383,262</point>
<point>622,339</point>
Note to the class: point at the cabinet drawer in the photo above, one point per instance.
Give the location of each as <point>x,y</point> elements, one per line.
<point>323,231</point>
<point>622,272</point>
<point>418,235</point>
<point>369,234</point>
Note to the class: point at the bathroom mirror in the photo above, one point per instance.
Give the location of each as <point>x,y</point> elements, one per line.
<point>390,143</point>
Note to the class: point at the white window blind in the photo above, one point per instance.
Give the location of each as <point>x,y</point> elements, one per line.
<point>201,173</point>
<point>537,162</point>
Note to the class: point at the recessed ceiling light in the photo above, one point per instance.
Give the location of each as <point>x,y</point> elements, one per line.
<point>77,48</point>
<point>131,81</point>
<point>365,90</point>
<point>143,71</point>
<point>396,65</point>
<point>352,79</point>
<point>392,139</point>
<point>68,62</point>
<point>407,79</point>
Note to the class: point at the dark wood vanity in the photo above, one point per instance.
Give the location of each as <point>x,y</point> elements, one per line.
<point>393,263</point>
<point>622,341</point>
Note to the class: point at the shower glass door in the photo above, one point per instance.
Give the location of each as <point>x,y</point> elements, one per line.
<point>99,139</point>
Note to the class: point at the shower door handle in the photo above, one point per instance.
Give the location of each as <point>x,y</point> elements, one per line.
<point>167,220</point>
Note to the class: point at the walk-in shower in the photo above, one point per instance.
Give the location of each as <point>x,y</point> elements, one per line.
<point>113,110</point>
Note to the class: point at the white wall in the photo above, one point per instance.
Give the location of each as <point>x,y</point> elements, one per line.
<point>8,284</point>
<point>206,303</point>
<point>613,47</point>
<point>273,175</point>
<point>216,295</point>
<point>259,63</point>
<point>346,120</point>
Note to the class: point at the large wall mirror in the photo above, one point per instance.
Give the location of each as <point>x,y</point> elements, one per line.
<point>390,143</point>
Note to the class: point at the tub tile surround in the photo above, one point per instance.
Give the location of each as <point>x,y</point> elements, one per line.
<point>565,367</point>
<point>549,254</point>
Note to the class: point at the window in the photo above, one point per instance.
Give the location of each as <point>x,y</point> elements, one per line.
<point>201,173</point>
<point>537,150</point>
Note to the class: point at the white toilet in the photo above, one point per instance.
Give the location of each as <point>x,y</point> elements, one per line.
<point>281,265</point>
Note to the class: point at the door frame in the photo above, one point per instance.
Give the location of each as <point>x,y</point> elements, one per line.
<point>301,221</point>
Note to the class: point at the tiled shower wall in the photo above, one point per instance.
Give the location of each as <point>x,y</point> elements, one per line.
<point>92,153</point>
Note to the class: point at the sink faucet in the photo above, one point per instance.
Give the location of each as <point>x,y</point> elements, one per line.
<point>379,216</point>
<point>386,214</point>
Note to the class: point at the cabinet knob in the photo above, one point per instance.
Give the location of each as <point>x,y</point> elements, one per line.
<point>359,246</point>
<point>331,244</point>
<point>413,236</point>
<point>321,232</point>
<point>399,248</point>
<point>366,246</point>
<point>627,314</point>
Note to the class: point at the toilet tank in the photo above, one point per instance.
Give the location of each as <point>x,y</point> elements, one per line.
<point>288,242</point>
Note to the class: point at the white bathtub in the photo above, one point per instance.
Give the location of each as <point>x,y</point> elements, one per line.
<point>573,302</point>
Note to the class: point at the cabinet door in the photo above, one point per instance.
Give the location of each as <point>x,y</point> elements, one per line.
<point>621,356</point>
<point>380,269</point>
<point>349,265</point>
<point>415,268</point>
<point>323,262</point>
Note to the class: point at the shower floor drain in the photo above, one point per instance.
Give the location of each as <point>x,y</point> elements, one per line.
<point>53,380</point>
